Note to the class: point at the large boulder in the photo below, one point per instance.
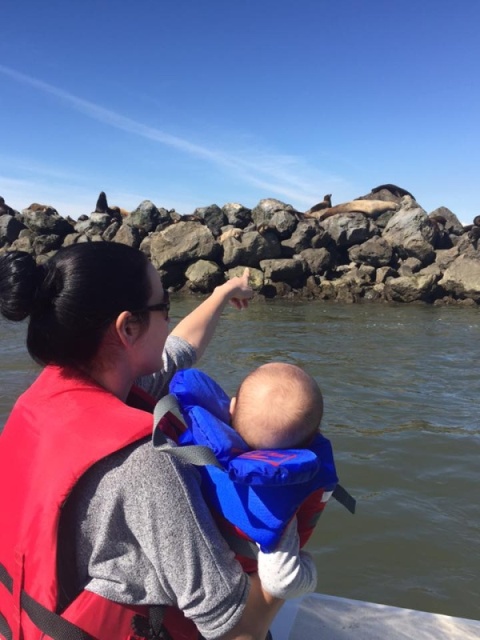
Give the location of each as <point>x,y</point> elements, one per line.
<point>203,276</point>
<point>305,235</point>
<point>147,217</point>
<point>462,278</point>
<point>286,270</point>
<point>411,233</point>
<point>182,242</point>
<point>237,215</point>
<point>449,220</point>
<point>94,225</point>
<point>250,249</point>
<point>376,252</point>
<point>10,229</point>
<point>317,261</point>
<point>266,209</point>
<point>214,218</point>
<point>43,219</point>
<point>347,229</point>
<point>413,288</point>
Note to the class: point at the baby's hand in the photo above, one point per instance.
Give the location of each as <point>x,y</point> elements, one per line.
<point>239,291</point>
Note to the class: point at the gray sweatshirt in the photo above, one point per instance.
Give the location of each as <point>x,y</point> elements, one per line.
<point>143,534</point>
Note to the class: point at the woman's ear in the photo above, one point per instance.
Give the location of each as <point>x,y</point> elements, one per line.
<point>126,329</point>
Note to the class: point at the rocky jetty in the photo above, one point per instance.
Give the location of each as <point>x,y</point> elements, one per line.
<point>379,247</point>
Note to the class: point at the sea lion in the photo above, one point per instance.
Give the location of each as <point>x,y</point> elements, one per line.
<point>102,207</point>
<point>5,209</point>
<point>230,233</point>
<point>367,207</point>
<point>476,221</point>
<point>325,204</point>
<point>394,190</point>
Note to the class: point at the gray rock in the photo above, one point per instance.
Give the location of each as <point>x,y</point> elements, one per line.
<point>46,243</point>
<point>462,278</point>
<point>286,270</point>
<point>250,249</point>
<point>411,233</point>
<point>255,278</point>
<point>349,229</point>
<point>45,220</point>
<point>203,276</point>
<point>267,208</point>
<point>417,287</point>
<point>182,243</point>
<point>451,223</point>
<point>237,215</point>
<point>146,217</point>
<point>128,235</point>
<point>96,224</point>
<point>214,218</point>
<point>317,261</point>
<point>10,229</point>
<point>376,252</point>
<point>383,273</point>
<point>302,237</point>
<point>283,223</point>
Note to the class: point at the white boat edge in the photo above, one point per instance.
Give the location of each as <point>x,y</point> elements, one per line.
<point>321,617</point>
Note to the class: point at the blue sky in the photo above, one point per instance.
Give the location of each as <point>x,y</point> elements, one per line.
<point>193,102</point>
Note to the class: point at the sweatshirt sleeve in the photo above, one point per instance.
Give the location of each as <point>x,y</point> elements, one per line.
<point>287,572</point>
<point>177,354</point>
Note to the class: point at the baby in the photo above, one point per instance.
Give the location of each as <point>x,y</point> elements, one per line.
<point>278,406</point>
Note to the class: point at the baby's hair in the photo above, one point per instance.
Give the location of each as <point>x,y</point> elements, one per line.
<point>278,406</point>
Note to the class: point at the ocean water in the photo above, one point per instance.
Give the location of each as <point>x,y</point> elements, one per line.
<point>401,385</point>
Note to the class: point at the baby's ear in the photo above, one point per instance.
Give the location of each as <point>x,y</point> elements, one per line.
<point>233,403</point>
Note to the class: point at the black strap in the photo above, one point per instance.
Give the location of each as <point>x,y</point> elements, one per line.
<point>5,629</point>
<point>343,497</point>
<point>47,621</point>
<point>6,578</point>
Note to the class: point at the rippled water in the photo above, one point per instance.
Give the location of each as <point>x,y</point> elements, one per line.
<point>401,386</point>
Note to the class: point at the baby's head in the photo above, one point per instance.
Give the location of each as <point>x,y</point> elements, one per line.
<point>278,406</point>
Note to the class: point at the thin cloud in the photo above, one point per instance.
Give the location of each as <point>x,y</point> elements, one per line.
<point>282,175</point>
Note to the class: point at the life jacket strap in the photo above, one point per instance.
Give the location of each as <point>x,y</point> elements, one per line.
<point>344,498</point>
<point>198,455</point>
<point>48,622</point>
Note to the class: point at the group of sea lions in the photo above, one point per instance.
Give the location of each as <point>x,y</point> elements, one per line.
<point>368,206</point>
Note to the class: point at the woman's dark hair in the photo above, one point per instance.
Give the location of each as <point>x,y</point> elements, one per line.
<point>73,298</point>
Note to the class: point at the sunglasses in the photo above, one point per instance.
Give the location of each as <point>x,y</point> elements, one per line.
<point>160,306</point>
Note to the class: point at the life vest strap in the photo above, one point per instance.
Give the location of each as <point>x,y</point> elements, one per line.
<point>48,622</point>
<point>198,455</point>
<point>5,628</point>
<point>342,496</point>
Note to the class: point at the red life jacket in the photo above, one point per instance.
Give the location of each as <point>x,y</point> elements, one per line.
<point>57,430</point>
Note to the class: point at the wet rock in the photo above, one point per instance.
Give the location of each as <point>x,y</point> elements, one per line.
<point>203,276</point>
<point>417,287</point>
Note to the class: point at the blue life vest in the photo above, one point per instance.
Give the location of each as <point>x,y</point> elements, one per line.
<point>258,491</point>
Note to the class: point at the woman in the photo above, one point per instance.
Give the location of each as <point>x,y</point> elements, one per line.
<point>96,525</point>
